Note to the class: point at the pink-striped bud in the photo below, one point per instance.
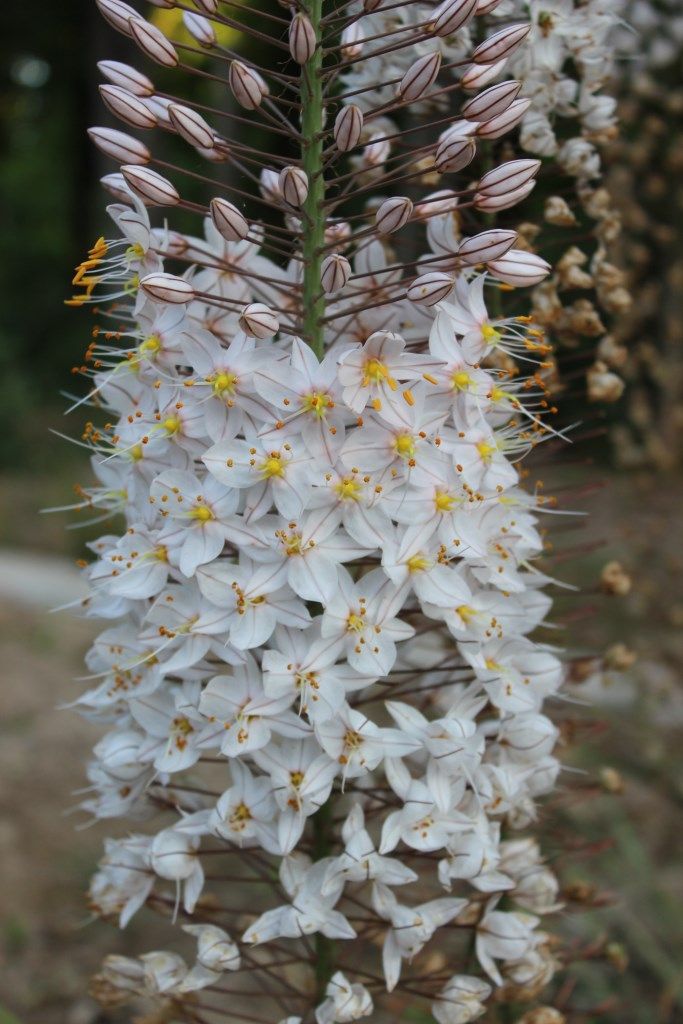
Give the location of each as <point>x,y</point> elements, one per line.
<point>486,6</point>
<point>118,14</point>
<point>501,44</point>
<point>269,184</point>
<point>334,273</point>
<point>393,214</point>
<point>519,268</point>
<point>154,43</point>
<point>191,126</point>
<point>168,288</point>
<point>505,122</point>
<point>453,154</point>
<point>508,176</point>
<point>479,75</point>
<point>430,288</point>
<point>435,204</point>
<point>126,107</point>
<point>491,101</point>
<point>419,76</point>
<point>486,246</point>
<point>258,321</point>
<point>302,41</point>
<point>200,28</point>
<point>208,6</point>
<point>115,185</point>
<point>119,146</point>
<point>376,152</point>
<point>350,44</point>
<point>293,186</point>
<point>127,78</point>
<point>228,220</point>
<point>348,126</point>
<point>247,86</point>
<point>491,203</point>
<point>451,15</point>
<point>152,187</point>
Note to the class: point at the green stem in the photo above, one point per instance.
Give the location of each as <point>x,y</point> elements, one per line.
<point>313,229</point>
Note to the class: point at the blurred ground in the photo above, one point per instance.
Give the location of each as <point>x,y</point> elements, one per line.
<point>48,944</point>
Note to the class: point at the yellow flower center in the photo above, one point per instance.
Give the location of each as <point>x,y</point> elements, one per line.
<point>272,466</point>
<point>486,450</point>
<point>171,425</point>
<point>150,346</point>
<point>443,502</point>
<point>405,446</point>
<point>316,404</point>
<point>490,334</point>
<point>355,623</point>
<point>348,488</point>
<point>418,563</point>
<point>136,452</point>
<point>203,513</point>
<point>224,382</point>
<point>461,380</point>
<point>296,778</point>
<point>465,612</point>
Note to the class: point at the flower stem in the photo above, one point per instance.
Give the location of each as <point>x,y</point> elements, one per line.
<point>313,228</point>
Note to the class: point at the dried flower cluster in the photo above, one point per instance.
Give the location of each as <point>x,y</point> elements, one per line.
<point>324,703</point>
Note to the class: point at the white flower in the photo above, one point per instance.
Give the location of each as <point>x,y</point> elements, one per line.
<point>345,1002</point>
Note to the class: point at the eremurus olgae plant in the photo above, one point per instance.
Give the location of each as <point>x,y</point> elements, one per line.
<point>324,707</point>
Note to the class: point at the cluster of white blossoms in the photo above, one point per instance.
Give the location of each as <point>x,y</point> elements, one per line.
<point>321,679</point>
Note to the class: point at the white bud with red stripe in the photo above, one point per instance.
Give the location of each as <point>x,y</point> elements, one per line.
<point>120,146</point>
<point>491,102</point>
<point>168,288</point>
<point>247,86</point>
<point>419,77</point>
<point>428,289</point>
<point>258,321</point>
<point>334,273</point>
<point>487,245</point>
<point>127,107</point>
<point>348,126</point>
<point>451,15</point>
<point>302,41</point>
<point>519,268</point>
<point>154,43</point>
<point>393,214</point>
<point>228,220</point>
<point>505,122</point>
<point>126,77</point>
<point>293,186</point>
<point>200,28</point>
<point>191,126</point>
<point>502,44</point>
<point>151,186</point>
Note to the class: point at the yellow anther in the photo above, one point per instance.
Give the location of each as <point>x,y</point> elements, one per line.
<point>151,345</point>
<point>171,425</point>
<point>405,446</point>
<point>408,396</point>
<point>355,623</point>
<point>490,334</point>
<point>485,450</point>
<point>203,513</point>
<point>461,380</point>
<point>443,502</point>
<point>465,612</point>
<point>272,466</point>
<point>418,563</point>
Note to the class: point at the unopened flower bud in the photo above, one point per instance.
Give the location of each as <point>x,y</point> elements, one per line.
<point>258,321</point>
<point>126,77</point>
<point>603,384</point>
<point>127,107</point>
<point>491,102</point>
<point>350,40</point>
<point>208,6</point>
<point>505,122</point>
<point>519,269</point>
<point>393,214</point>
<point>348,126</point>
<point>428,289</point>
<point>479,75</point>
<point>115,184</point>
<point>200,28</point>
<point>228,220</point>
<point>451,15</point>
<point>191,126</point>
<point>491,204</point>
<point>486,246</point>
<point>435,204</point>
<point>302,41</point>
<point>614,580</point>
<point>168,288</point>
<point>419,76</point>
<point>293,186</point>
<point>247,86</point>
<point>486,6</point>
<point>508,176</point>
<point>501,44</point>
<point>334,273</point>
<point>150,185</point>
<point>118,14</point>
<point>154,43</point>
<point>453,154</point>
<point>119,146</point>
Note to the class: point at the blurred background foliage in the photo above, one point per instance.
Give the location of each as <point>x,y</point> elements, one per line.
<point>624,869</point>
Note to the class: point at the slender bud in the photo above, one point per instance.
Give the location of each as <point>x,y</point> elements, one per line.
<point>479,75</point>
<point>168,288</point>
<point>393,214</point>
<point>490,204</point>
<point>430,288</point>
<point>247,86</point>
<point>435,204</point>
<point>519,268</point>
<point>334,273</point>
<point>228,220</point>
<point>128,108</point>
<point>454,154</point>
<point>505,122</point>
<point>501,44</point>
<point>486,246</point>
<point>208,6</point>
<point>154,43</point>
<point>508,176</point>
<point>199,28</point>
<point>258,321</point>
<point>491,101</point>
<point>126,77</point>
<point>302,41</point>
<point>191,126</point>
<point>115,184</point>
<point>350,45</point>
<point>348,127</point>
<point>117,14</point>
<point>451,15</point>
<point>150,186</point>
<point>486,6</point>
<point>293,186</point>
<point>419,76</point>
<point>119,146</point>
